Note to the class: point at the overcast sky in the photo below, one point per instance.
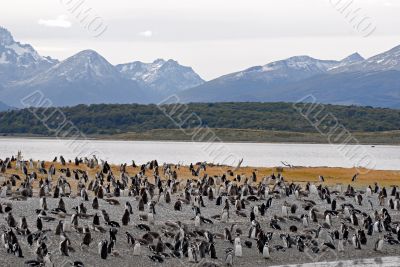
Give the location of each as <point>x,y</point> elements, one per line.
<point>214,37</point>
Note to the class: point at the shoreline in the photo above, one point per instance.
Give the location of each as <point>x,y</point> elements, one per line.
<point>124,139</point>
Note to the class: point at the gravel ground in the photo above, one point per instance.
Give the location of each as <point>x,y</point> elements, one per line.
<point>164,212</point>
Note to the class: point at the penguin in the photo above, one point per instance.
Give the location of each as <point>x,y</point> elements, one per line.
<point>23,224</point>
<point>125,217</point>
<point>192,256</point>
<point>285,210</point>
<point>178,205</point>
<point>87,238</point>
<point>379,245</point>
<point>197,220</point>
<point>305,220</point>
<point>167,197</point>
<point>103,246</point>
<point>10,220</point>
<point>59,228</point>
<point>63,247</point>
<point>333,204</point>
<point>238,247</point>
<point>225,216</point>
<point>95,203</point>
<point>141,205</point>
<point>229,257</point>
<point>265,252</point>
<point>356,242</point>
<point>39,224</point>
<point>213,253</point>
<point>354,219</point>
<point>74,220</point>
<point>96,220</point>
<point>61,205</point>
<point>105,216</point>
<point>43,203</point>
<point>218,201</point>
<point>150,214</point>
<point>136,249</point>
<point>300,245</point>
<point>340,245</point>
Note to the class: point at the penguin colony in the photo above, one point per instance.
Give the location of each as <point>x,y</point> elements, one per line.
<point>223,220</point>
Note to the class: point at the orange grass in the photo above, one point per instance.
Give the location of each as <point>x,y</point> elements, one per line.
<point>299,174</point>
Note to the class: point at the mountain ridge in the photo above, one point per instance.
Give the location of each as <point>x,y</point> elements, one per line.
<point>88,78</point>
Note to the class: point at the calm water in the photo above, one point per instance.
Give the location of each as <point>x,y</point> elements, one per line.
<point>253,154</point>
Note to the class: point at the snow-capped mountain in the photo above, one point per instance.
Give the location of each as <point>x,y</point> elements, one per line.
<point>246,85</point>
<point>389,60</point>
<point>163,77</point>
<point>85,78</point>
<point>346,62</point>
<point>83,66</point>
<point>294,68</point>
<point>354,80</point>
<point>19,61</point>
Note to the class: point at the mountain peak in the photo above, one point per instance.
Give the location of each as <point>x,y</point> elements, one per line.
<point>164,77</point>
<point>5,37</point>
<point>355,57</point>
<point>159,61</point>
<point>88,53</point>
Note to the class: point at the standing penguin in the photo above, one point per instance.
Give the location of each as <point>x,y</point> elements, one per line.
<point>238,247</point>
<point>125,217</point>
<point>39,224</point>
<point>285,210</point>
<point>340,245</point>
<point>103,249</point>
<point>356,242</point>
<point>333,204</point>
<point>197,220</point>
<point>95,203</point>
<point>305,220</point>
<point>136,249</point>
<point>225,216</point>
<point>229,257</point>
<point>141,205</point>
<point>192,255</point>
<point>150,215</point>
<point>43,203</point>
<point>379,244</point>
<point>64,247</point>
<point>213,252</point>
<point>265,252</point>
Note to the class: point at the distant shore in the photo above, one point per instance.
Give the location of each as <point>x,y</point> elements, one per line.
<point>236,136</point>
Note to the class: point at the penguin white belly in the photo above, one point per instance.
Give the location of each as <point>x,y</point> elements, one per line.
<point>224,217</point>
<point>305,222</point>
<point>253,233</point>
<point>340,246</point>
<point>136,249</point>
<point>238,250</point>
<point>369,192</point>
<point>266,252</point>
<point>380,245</point>
<point>190,255</point>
